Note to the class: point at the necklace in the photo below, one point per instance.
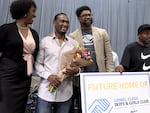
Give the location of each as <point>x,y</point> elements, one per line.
<point>21,27</point>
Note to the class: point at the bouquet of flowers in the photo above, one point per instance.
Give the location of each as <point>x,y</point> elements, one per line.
<point>79,57</point>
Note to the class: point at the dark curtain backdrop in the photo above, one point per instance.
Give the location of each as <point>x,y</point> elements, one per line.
<point>121,18</point>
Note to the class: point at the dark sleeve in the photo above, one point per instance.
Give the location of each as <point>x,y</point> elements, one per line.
<point>36,38</point>
<point>2,37</point>
<point>125,61</point>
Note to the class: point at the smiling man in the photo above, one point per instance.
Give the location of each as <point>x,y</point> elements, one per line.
<point>97,41</point>
<point>136,56</point>
<point>47,66</point>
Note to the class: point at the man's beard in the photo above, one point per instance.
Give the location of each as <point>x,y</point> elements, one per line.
<point>88,24</point>
<point>148,41</point>
<point>63,33</point>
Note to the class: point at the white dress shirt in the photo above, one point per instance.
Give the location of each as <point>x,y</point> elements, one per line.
<point>47,63</point>
<point>115,58</point>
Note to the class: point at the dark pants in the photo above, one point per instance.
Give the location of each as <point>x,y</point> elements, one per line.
<point>53,107</point>
<point>76,103</point>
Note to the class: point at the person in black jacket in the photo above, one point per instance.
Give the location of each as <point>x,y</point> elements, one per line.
<point>19,46</point>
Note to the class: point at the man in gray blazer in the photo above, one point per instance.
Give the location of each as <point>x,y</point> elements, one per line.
<point>96,40</point>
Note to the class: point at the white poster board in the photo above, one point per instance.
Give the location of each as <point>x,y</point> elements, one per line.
<point>115,92</point>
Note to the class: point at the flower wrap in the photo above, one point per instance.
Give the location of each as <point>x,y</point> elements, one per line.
<point>79,57</point>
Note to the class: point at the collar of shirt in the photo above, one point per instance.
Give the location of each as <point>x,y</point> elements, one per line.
<point>55,37</point>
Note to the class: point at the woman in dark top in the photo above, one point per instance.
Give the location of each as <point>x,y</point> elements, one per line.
<point>19,45</point>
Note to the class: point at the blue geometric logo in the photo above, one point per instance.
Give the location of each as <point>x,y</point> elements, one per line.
<point>100,106</point>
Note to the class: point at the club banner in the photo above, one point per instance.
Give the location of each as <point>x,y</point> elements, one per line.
<point>115,92</point>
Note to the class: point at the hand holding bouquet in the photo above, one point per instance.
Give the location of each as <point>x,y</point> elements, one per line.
<point>77,57</point>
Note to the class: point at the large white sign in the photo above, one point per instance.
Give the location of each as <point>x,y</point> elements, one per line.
<point>115,92</point>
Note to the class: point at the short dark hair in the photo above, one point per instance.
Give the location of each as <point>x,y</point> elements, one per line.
<point>55,18</point>
<point>19,8</point>
<point>80,9</point>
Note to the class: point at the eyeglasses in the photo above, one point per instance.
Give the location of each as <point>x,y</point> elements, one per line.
<point>85,15</point>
